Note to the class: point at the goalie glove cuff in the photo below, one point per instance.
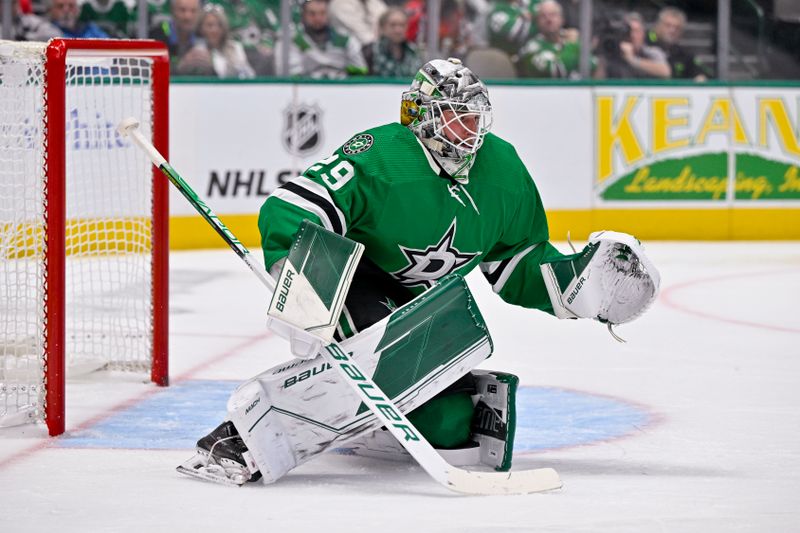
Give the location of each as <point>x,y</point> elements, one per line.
<point>611,280</point>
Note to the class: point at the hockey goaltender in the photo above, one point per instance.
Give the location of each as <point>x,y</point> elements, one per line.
<point>434,195</point>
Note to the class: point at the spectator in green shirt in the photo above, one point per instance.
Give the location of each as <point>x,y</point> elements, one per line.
<point>555,51</point>
<point>256,24</point>
<point>318,51</point>
<point>510,24</point>
<point>112,16</point>
<point>392,56</point>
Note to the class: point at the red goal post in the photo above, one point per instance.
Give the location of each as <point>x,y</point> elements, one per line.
<point>85,260</point>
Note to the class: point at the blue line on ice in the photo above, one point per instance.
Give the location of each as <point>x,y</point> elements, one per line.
<point>174,418</point>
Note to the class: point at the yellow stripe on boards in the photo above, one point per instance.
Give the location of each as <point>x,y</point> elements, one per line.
<point>192,232</point>
<point>680,224</point>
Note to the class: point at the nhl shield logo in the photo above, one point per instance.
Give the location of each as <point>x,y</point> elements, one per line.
<point>302,129</point>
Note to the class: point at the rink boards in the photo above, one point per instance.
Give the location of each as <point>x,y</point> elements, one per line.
<point>653,160</point>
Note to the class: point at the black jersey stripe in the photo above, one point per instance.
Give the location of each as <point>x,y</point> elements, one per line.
<point>505,268</point>
<point>319,201</point>
<point>494,277</point>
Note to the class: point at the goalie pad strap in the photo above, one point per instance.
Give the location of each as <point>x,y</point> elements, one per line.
<point>494,421</point>
<point>491,433</point>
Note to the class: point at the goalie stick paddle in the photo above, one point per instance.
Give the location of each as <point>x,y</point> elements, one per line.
<point>454,478</point>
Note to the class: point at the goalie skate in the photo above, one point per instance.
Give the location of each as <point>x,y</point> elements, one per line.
<point>200,467</point>
<point>222,457</point>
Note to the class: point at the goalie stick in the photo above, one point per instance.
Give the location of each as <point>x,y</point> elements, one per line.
<point>454,478</point>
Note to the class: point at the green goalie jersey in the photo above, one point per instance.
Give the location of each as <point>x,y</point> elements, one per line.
<point>384,190</point>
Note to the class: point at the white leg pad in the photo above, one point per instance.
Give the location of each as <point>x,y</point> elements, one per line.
<point>381,444</point>
<point>250,410</point>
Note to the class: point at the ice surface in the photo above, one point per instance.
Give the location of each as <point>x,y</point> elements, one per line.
<point>693,425</point>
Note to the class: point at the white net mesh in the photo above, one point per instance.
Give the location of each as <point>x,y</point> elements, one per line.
<point>22,259</point>
<point>108,293</point>
<point>109,202</point>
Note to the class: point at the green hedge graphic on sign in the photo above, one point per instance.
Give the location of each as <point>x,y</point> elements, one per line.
<point>702,177</point>
<point>758,178</point>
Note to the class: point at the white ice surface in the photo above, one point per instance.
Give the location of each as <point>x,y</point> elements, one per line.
<point>716,361</point>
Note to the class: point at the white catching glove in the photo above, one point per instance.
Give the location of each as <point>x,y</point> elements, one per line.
<point>610,280</point>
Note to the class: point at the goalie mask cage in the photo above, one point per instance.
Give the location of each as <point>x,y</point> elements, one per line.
<point>83,219</point>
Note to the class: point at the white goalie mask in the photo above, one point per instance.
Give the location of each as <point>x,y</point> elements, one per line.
<point>447,107</point>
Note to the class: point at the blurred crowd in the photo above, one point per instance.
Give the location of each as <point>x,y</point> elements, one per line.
<point>335,39</point>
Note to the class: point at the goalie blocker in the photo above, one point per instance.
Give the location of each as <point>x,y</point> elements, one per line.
<point>311,288</point>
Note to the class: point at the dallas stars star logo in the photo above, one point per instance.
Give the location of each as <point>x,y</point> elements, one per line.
<point>434,262</point>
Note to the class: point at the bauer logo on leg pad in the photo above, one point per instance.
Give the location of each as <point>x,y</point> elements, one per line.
<point>305,374</point>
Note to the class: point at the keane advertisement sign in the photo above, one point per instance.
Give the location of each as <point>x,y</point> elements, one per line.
<point>696,145</point>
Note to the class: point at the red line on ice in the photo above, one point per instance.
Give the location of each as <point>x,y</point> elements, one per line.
<point>48,442</point>
<point>668,298</point>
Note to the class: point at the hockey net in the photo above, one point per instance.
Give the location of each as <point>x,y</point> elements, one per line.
<point>83,265</point>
